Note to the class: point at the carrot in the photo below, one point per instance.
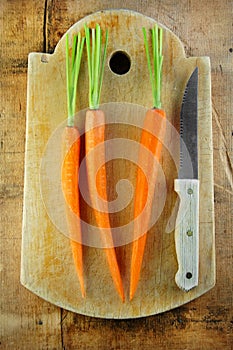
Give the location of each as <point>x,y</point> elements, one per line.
<point>71,153</point>
<point>70,168</point>
<point>152,125</point>
<point>94,137</point>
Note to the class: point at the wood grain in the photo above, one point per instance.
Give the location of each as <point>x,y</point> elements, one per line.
<point>27,321</point>
<point>47,267</point>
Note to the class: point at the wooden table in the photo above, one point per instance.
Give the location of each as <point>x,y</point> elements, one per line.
<point>28,322</point>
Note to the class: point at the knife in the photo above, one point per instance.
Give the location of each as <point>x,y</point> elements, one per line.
<point>187,187</point>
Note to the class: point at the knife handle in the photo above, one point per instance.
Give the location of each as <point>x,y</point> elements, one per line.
<point>187,233</point>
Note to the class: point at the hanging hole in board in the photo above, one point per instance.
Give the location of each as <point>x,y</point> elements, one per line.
<point>119,63</point>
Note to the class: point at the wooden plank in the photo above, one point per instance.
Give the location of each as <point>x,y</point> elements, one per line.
<point>196,325</point>
<point>204,323</point>
<point>23,315</point>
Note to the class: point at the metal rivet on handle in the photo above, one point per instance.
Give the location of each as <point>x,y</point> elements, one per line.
<point>189,233</point>
<point>190,191</point>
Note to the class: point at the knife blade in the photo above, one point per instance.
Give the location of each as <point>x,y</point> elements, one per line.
<point>187,187</point>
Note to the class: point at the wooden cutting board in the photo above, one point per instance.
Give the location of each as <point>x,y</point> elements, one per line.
<point>47,267</point>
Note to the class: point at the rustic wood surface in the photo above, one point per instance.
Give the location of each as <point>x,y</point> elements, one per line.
<point>47,266</point>
<point>27,321</point>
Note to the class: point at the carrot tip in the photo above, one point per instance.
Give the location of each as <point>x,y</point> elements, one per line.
<point>120,290</point>
<point>83,291</point>
<point>123,298</point>
<point>131,294</point>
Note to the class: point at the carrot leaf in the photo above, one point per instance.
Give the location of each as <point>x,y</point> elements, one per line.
<point>72,73</point>
<point>155,68</point>
<point>96,61</point>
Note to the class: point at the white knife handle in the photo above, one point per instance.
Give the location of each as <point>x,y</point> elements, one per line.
<point>187,234</point>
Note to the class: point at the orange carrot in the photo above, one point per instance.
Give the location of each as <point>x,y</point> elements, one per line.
<point>95,136</point>
<point>152,125</point>
<point>97,179</point>
<point>144,190</point>
<point>69,178</point>
<point>71,154</point>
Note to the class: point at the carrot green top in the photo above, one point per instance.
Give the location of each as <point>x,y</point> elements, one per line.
<point>96,60</point>
<point>155,69</point>
<point>72,73</point>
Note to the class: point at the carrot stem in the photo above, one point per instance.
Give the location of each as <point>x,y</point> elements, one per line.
<point>157,60</point>
<point>102,66</point>
<point>72,73</point>
<point>97,65</point>
<point>73,50</point>
<point>96,61</point>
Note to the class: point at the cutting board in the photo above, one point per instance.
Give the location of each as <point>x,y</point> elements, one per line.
<point>47,267</point>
